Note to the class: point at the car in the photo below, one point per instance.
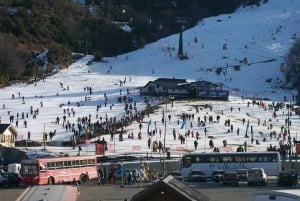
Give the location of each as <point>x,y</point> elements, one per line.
<point>242,174</point>
<point>230,178</point>
<point>14,179</point>
<point>217,175</point>
<point>257,176</point>
<point>286,178</point>
<point>3,180</point>
<point>197,176</point>
<point>177,175</point>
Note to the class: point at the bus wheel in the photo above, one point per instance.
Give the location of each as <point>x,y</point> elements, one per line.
<point>50,181</point>
<point>82,179</point>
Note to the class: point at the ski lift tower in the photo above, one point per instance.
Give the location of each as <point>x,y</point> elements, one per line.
<point>181,21</point>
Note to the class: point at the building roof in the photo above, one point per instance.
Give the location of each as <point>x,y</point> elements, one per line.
<point>12,130</point>
<point>3,127</point>
<point>170,82</point>
<point>173,186</point>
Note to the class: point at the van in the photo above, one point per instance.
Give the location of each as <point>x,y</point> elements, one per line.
<point>257,176</point>
<point>14,167</point>
<point>277,195</point>
<point>286,178</point>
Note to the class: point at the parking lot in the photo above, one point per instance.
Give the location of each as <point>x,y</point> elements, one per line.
<point>90,191</point>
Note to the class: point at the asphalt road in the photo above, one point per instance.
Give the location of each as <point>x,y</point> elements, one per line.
<point>90,191</point>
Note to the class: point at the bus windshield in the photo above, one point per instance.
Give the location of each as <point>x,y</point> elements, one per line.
<point>29,169</point>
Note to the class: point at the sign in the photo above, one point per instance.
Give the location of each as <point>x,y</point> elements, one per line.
<point>100,149</point>
<point>298,148</point>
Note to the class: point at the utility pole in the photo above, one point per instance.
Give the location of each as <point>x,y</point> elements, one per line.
<point>44,137</point>
<point>86,49</point>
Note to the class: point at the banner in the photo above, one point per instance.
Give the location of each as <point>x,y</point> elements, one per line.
<point>183,124</point>
<point>298,148</point>
<point>100,149</point>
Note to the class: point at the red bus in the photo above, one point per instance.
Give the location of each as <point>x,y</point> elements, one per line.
<point>58,170</point>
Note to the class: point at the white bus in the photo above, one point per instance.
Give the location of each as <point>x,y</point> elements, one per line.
<point>278,195</point>
<point>208,162</point>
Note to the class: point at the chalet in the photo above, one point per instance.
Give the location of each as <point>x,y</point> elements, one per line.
<point>207,90</point>
<point>167,189</point>
<point>180,88</point>
<point>165,87</point>
<point>8,135</point>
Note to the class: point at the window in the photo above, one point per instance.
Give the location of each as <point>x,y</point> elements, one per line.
<point>43,167</point>
<point>29,169</point>
<point>151,89</point>
<point>75,163</point>
<point>197,159</point>
<point>59,164</point>
<point>213,159</point>
<point>67,164</point>
<point>226,159</point>
<point>186,161</point>
<point>51,165</point>
<point>252,159</point>
<point>83,163</point>
<point>239,159</point>
<point>91,162</point>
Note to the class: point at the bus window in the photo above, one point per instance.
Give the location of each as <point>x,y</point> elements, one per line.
<point>75,163</point>
<point>43,167</point>
<point>226,159</point>
<point>186,162</point>
<point>239,159</point>
<point>197,159</point>
<point>83,163</point>
<point>273,158</point>
<point>91,162</point>
<point>263,158</point>
<point>213,159</point>
<point>252,159</point>
<point>59,165</point>
<point>67,164</point>
<point>50,165</point>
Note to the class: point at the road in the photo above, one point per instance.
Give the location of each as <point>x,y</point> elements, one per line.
<point>90,191</point>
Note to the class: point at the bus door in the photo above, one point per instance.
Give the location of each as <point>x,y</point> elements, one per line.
<point>43,175</point>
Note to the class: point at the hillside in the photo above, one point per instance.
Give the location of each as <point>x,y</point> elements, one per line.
<point>84,93</point>
<point>101,28</point>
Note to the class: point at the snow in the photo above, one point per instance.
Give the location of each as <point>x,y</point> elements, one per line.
<point>263,34</point>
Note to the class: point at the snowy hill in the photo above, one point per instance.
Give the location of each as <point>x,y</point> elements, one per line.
<point>257,39</point>
<point>260,34</point>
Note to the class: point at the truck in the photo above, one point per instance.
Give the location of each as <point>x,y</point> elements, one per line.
<point>278,195</point>
<point>14,167</point>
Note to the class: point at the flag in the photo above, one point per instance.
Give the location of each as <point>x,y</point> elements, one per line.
<point>183,124</point>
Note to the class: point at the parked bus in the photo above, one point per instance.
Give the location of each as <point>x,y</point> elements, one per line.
<point>278,195</point>
<point>207,162</point>
<point>50,193</point>
<point>58,170</point>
